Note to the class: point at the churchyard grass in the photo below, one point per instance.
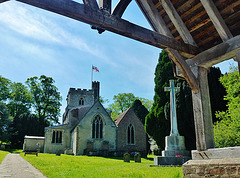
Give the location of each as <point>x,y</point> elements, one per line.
<point>83,166</point>
<point>2,155</point>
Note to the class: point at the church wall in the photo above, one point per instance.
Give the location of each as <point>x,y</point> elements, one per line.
<point>85,130</point>
<point>139,134</point>
<point>55,148</point>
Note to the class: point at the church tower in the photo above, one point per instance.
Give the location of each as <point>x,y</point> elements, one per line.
<point>82,97</point>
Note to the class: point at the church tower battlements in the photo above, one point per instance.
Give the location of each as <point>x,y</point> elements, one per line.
<point>79,97</point>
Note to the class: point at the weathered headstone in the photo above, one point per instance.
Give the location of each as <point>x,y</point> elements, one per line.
<point>175,151</point>
<point>137,158</point>
<point>126,157</point>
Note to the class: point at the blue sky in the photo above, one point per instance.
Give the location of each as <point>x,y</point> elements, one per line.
<point>35,42</point>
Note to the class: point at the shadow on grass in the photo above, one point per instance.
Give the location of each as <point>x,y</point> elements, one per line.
<point>14,150</point>
<point>131,158</point>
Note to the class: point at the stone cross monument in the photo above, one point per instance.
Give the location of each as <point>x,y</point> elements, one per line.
<point>173,114</point>
<point>175,152</point>
<point>174,144</point>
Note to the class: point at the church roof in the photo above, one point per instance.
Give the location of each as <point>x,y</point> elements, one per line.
<point>55,126</point>
<point>121,116</point>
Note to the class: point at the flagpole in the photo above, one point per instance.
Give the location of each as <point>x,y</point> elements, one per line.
<point>92,75</point>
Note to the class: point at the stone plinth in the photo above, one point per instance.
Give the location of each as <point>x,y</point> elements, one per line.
<point>228,167</point>
<point>217,153</point>
<point>163,161</point>
<point>175,145</point>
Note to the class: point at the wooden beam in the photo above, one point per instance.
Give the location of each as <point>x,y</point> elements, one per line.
<point>217,19</point>
<point>224,51</point>
<point>1,1</point>
<point>108,22</point>
<point>91,4</point>
<point>178,23</point>
<point>237,59</point>
<point>120,8</point>
<point>158,23</point>
<point>105,4</point>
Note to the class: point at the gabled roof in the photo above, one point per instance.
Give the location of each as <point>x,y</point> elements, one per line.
<point>120,117</point>
<point>123,115</point>
<point>83,110</point>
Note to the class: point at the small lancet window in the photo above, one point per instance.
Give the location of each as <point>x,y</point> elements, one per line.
<point>81,102</point>
<point>97,127</point>
<point>130,134</point>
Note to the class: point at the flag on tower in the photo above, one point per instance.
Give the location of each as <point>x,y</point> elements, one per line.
<point>95,69</point>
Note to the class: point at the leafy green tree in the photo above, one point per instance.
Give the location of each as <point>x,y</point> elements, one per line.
<point>4,88</point>
<point>20,99</point>
<point>227,130</point>
<point>46,98</point>
<point>123,101</point>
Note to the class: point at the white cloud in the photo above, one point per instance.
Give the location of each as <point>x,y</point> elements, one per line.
<point>29,23</point>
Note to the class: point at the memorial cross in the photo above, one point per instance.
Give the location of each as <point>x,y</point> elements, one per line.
<point>173,113</point>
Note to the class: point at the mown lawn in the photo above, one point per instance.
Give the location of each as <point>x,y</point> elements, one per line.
<point>83,166</point>
<point>2,155</point>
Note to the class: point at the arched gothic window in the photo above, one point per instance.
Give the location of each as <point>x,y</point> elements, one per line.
<point>81,102</point>
<point>97,127</point>
<point>130,134</point>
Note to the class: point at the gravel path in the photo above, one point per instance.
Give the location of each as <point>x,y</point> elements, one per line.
<point>15,166</point>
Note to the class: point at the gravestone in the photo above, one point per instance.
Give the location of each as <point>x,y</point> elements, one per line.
<point>175,152</point>
<point>137,158</point>
<point>126,157</point>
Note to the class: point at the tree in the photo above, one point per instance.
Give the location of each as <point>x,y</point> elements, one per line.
<point>4,88</point>
<point>140,110</point>
<point>123,101</point>
<point>157,125</point>
<point>217,92</point>
<point>46,98</point>
<point>227,130</point>
<point>4,123</point>
<point>20,99</point>
<point>26,124</point>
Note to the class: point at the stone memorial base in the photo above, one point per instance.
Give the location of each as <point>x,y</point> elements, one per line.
<point>175,152</point>
<point>170,161</point>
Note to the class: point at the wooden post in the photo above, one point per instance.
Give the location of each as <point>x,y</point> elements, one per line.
<point>202,112</point>
<point>238,60</point>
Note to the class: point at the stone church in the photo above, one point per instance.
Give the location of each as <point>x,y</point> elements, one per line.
<point>89,129</point>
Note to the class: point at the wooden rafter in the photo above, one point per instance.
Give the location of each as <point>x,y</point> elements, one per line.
<point>158,23</point>
<point>177,21</point>
<point>121,7</point>
<point>217,19</point>
<point>224,51</point>
<point>108,22</point>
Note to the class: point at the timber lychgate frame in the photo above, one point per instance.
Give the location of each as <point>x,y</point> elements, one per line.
<point>197,34</point>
